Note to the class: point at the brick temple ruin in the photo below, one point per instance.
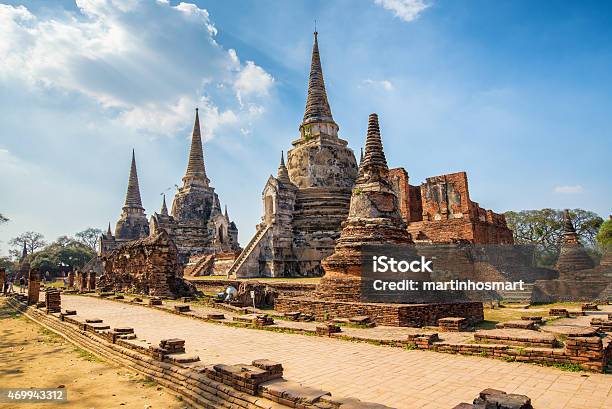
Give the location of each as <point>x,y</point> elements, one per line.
<point>146,266</point>
<point>149,257</point>
<point>196,224</point>
<point>374,219</point>
<point>307,201</point>
<point>196,229</point>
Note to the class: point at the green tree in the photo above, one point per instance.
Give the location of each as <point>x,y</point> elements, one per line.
<point>544,229</point>
<point>604,235</point>
<point>89,237</point>
<point>3,219</point>
<point>62,255</point>
<point>9,265</point>
<point>32,240</point>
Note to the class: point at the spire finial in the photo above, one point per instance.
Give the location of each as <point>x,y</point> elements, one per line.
<point>195,166</point>
<point>361,155</point>
<point>109,233</point>
<point>164,208</point>
<point>374,163</point>
<point>226,214</point>
<point>24,253</point>
<point>283,173</point>
<point>132,196</point>
<point>317,105</point>
<point>568,226</point>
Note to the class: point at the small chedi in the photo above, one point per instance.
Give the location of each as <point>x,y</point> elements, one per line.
<point>24,264</point>
<point>146,266</point>
<point>306,203</point>
<point>579,277</point>
<point>373,218</point>
<point>573,257</point>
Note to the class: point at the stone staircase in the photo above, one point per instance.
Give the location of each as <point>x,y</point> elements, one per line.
<point>200,267</point>
<point>248,250</point>
<point>518,296</point>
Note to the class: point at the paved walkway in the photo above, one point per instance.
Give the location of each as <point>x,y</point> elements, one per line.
<point>392,376</point>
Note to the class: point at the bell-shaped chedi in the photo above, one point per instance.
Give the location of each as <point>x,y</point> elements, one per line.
<point>573,256</point>
<point>374,218</point>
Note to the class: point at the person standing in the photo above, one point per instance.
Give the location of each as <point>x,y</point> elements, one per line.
<point>21,284</point>
<point>10,289</point>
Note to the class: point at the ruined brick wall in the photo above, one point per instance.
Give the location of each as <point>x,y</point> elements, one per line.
<point>148,266</point>
<point>449,215</point>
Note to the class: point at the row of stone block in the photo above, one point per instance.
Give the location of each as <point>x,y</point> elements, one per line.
<point>259,320</point>
<point>243,377</point>
<point>602,325</point>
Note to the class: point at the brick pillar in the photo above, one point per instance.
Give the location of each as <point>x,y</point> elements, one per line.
<point>2,279</point>
<point>82,281</point>
<point>33,287</point>
<point>71,279</point>
<point>91,281</point>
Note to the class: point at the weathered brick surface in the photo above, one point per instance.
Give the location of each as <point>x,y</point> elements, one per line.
<point>148,266</point>
<point>399,315</point>
<point>453,324</point>
<point>33,287</point>
<point>448,214</point>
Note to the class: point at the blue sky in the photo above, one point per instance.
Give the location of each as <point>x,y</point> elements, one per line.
<point>516,93</point>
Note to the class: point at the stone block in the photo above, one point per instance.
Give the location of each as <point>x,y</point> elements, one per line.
<point>452,324</point>
<point>496,399</point>
<point>520,324</point>
<point>558,312</point>
<point>182,308</point>
<point>328,329</point>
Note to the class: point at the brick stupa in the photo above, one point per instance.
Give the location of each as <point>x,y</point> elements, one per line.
<point>573,256</point>
<point>374,218</point>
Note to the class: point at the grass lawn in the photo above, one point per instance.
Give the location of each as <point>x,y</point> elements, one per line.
<point>510,313</point>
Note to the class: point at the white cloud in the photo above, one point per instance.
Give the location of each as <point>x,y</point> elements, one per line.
<point>569,189</point>
<point>382,84</point>
<point>252,81</point>
<point>114,53</point>
<point>407,10</point>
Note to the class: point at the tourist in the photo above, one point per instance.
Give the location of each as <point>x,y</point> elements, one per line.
<point>231,293</point>
<point>21,284</point>
<point>10,289</point>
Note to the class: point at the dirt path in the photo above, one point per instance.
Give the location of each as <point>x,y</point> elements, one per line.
<point>32,356</point>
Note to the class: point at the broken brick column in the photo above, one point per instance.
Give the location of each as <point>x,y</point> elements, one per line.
<point>71,279</point>
<point>82,281</point>
<point>33,287</point>
<point>91,281</point>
